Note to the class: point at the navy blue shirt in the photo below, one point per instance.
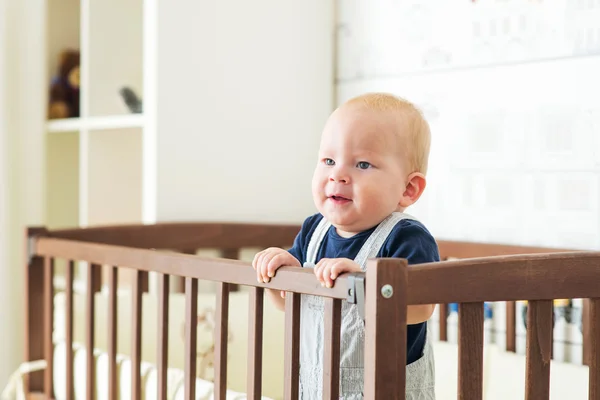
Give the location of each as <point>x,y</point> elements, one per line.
<point>409,239</point>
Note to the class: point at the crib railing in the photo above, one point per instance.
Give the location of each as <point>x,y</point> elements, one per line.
<point>385,319</point>
<point>538,278</point>
<point>390,287</point>
<point>464,250</point>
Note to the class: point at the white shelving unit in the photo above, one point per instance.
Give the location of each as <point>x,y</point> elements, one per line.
<point>116,41</point>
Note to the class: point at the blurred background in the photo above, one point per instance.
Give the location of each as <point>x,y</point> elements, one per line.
<point>183,110</point>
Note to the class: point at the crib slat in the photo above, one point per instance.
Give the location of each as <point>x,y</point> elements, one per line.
<point>231,254</point>
<point>191,325</point>
<point>331,350</point>
<point>594,355</point>
<point>539,349</point>
<point>93,286</point>
<point>443,322</point>
<point>511,329</point>
<point>587,336</point>
<point>69,329</point>
<point>48,326</point>
<point>112,332</point>
<point>470,351</point>
<point>221,335</point>
<point>139,278</point>
<point>255,343</point>
<point>163,335</point>
<point>292,346</point>
<point>385,329</point>
<point>179,281</point>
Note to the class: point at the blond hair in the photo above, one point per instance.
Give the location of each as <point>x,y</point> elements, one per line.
<point>419,134</point>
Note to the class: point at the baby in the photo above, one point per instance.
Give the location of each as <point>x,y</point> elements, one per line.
<point>372,164</point>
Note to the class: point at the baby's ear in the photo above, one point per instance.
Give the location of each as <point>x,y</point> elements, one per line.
<point>415,185</point>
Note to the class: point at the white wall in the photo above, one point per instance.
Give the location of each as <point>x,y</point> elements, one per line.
<point>516,140</point>
<point>244,89</point>
<point>21,197</point>
<point>4,193</point>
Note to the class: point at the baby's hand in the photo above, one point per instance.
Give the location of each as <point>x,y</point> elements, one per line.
<point>328,269</point>
<point>268,261</point>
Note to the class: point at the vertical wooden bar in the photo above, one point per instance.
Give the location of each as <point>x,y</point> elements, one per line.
<point>112,332</point>
<point>385,324</point>
<point>587,334</point>
<point>34,302</point>
<point>291,355</point>
<point>231,254</point>
<point>511,330</point>
<point>94,281</point>
<point>179,281</point>
<point>191,324</point>
<point>221,335</point>
<point>594,355</point>
<point>539,348</point>
<point>163,335</point>
<point>69,329</point>
<point>48,326</point>
<point>331,350</point>
<point>255,343</point>
<point>139,279</point>
<point>443,322</point>
<point>470,351</point>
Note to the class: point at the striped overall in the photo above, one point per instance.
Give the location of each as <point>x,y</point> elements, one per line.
<point>420,377</point>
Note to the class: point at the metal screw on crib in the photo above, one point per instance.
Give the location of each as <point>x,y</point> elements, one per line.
<point>387,291</point>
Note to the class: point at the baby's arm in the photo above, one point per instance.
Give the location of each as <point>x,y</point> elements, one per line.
<point>266,263</point>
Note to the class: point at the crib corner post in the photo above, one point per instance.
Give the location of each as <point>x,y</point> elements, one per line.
<point>34,302</point>
<point>385,324</point>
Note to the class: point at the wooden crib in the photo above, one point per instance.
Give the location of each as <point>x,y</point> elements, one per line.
<point>483,273</point>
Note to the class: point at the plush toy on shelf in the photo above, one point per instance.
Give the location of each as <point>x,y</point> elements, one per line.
<point>64,88</point>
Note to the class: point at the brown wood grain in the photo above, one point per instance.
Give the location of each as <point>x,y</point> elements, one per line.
<point>331,349</point>
<point>564,276</point>
<point>162,350</point>
<point>594,345</point>
<point>486,272</point>
<point>112,332</point>
<point>94,283</point>
<point>470,351</point>
<point>443,321</point>
<point>231,254</point>
<point>539,349</point>
<point>511,328</point>
<point>136,334</point>
<point>191,328</point>
<point>34,302</point>
<point>587,332</point>
<point>301,280</point>
<point>186,235</point>
<point>69,274</point>
<point>255,343</point>
<point>460,249</point>
<point>221,336</point>
<point>292,346</point>
<point>385,330</point>
<point>48,326</point>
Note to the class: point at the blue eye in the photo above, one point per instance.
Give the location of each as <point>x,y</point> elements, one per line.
<point>329,161</point>
<point>363,165</point>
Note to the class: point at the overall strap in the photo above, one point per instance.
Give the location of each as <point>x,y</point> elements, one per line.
<point>378,237</point>
<point>315,242</point>
<point>369,249</point>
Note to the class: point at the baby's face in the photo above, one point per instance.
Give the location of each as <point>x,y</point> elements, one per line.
<point>361,172</point>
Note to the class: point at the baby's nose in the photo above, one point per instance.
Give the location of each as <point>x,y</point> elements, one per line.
<point>339,176</point>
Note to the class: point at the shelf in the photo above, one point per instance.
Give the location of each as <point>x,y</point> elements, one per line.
<point>110,122</point>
